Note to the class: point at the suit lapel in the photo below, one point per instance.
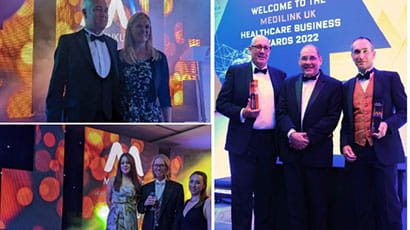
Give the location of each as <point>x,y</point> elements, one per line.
<point>377,83</point>
<point>298,94</point>
<point>82,41</point>
<point>273,80</point>
<point>112,50</point>
<point>249,73</point>
<point>349,96</point>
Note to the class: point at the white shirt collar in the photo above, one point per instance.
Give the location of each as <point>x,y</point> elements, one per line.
<point>90,32</point>
<point>162,182</point>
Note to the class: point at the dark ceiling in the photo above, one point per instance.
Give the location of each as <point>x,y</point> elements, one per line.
<point>166,136</point>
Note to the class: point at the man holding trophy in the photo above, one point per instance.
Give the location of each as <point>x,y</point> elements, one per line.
<point>374,108</point>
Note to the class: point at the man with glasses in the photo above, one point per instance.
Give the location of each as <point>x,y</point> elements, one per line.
<point>373,149</point>
<point>162,198</point>
<point>250,139</point>
<point>308,112</point>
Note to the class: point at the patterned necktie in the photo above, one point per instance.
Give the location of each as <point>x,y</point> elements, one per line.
<point>156,212</point>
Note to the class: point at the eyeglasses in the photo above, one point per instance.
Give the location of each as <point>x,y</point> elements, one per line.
<point>159,165</point>
<point>259,47</point>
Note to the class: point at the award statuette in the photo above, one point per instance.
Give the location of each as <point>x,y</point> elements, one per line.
<point>253,94</point>
<point>377,116</point>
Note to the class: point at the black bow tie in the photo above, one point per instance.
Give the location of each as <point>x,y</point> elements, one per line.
<point>365,76</point>
<point>260,70</point>
<point>93,37</point>
<point>305,78</point>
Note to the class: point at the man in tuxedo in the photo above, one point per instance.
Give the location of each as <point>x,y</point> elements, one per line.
<point>308,111</point>
<point>372,155</point>
<point>161,199</point>
<point>84,81</point>
<point>250,139</point>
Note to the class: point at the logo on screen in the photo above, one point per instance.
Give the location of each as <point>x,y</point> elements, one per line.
<point>115,6</point>
<point>116,152</point>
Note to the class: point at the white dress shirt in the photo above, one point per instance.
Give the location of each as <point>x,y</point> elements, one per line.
<point>266,117</point>
<point>100,54</point>
<point>307,89</point>
<point>159,188</point>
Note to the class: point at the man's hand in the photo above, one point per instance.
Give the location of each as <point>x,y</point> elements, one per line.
<point>349,154</point>
<point>382,130</point>
<point>250,113</point>
<point>299,140</point>
<point>150,201</point>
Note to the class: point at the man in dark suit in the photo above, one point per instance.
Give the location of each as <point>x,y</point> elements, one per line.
<point>84,82</point>
<point>372,155</point>
<point>161,199</point>
<point>308,112</point>
<point>250,138</point>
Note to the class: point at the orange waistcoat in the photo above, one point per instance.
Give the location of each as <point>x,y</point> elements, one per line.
<point>362,112</point>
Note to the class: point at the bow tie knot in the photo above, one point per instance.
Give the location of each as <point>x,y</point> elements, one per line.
<point>264,71</point>
<point>306,78</point>
<point>100,38</point>
<point>160,182</point>
<point>365,76</point>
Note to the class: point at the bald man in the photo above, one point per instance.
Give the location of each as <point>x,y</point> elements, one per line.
<point>372,155</point>
<point>251,135</point>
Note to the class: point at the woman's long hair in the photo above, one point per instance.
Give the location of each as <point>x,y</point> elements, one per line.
<point>202,195</point>
<point>128,54</point>
<point>132,175</point>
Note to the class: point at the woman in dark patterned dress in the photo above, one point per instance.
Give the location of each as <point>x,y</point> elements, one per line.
<point>196,214</point>
<point>144,78</point>
<point>122,196</point>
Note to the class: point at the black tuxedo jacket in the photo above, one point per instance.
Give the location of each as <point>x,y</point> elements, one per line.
<point>76,91</point>
<point>172,203</point>
<point>234,96</point>
<point>389,89</point>
<point>320,119</point>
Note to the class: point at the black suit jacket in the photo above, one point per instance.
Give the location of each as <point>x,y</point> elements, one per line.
<point>389,89</point>
<point>76,91</point>
<point>234,96</point>
<point>172,203</point>
<point>320,119</point>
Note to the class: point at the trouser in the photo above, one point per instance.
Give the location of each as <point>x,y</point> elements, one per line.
<point>374,185</point>
<point>251,182</point>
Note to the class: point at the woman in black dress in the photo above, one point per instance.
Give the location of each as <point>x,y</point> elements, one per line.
<point>196,214</point>
<point>144,78</point>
